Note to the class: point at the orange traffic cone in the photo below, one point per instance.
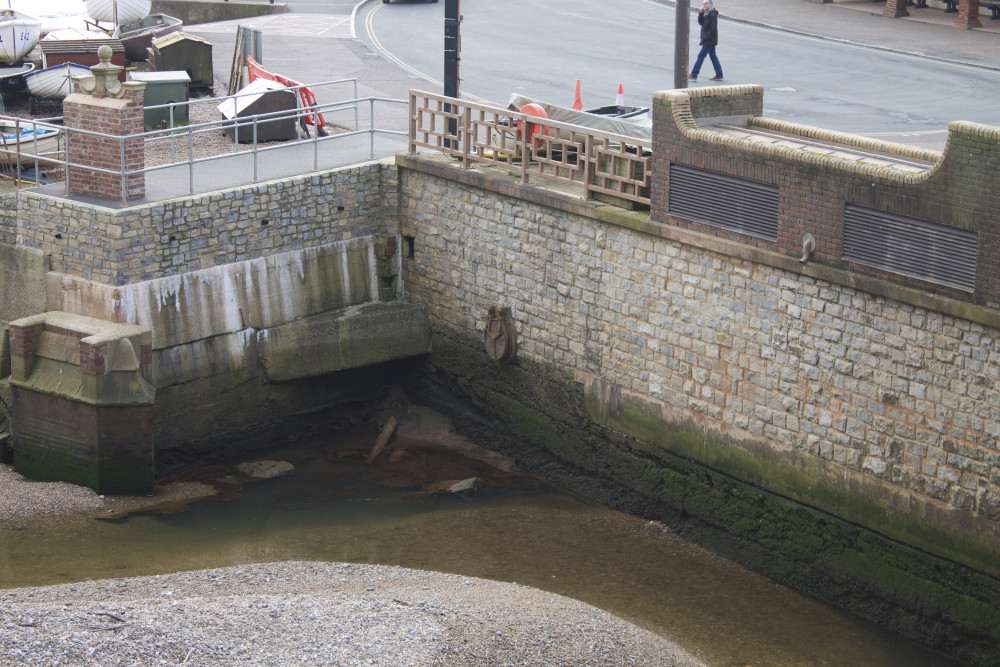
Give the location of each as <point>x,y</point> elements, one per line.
<point>620,100</point>
<point>577,103</point>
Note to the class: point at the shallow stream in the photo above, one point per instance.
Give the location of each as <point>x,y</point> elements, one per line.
<point>515,528</point>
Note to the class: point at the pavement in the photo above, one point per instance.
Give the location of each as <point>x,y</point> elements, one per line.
<point>927,32</point>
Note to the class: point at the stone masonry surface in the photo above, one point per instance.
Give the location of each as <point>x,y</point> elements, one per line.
<point>118,247</point>
<point>898,393</point>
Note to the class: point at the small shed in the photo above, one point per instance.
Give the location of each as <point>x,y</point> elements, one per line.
<point>81,51</point>
<point>261,97</point>
<point>164,88</point>
<point>181,51</point>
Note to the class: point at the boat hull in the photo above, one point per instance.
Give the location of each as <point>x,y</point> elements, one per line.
<point>18,35</point>
<point>22,147</point>
<point>117,11</point>
<point>138,36</point>
<point>54,81</point>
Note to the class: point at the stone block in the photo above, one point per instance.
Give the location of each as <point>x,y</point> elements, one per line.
<point>83,405</point>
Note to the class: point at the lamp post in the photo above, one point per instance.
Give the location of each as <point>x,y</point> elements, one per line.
<point>452,52</point>
<point>682,35</point>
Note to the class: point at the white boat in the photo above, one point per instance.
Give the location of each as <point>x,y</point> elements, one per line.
<point>71,33</point>
<point>117,11</point>
<point>24,141</point>
<point>55,81</point>
<point>137,36</point>
<point>18,35</point>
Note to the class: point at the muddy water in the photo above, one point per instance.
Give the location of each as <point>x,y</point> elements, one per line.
<point>516,528</point>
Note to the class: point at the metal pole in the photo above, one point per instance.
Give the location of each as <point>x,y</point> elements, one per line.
<point>191,160</point>
<point>121,155</point>
<point>452,54</point>
<point>682,35</point>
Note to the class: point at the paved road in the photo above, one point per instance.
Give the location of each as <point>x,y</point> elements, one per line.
<point>539,48</point>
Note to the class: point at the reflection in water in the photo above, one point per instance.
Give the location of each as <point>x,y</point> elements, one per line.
<point>336,508</point>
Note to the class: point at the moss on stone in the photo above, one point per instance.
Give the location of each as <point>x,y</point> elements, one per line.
<point>713,492</point>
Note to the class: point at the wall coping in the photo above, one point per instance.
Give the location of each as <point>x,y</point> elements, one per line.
<point>684,119</point>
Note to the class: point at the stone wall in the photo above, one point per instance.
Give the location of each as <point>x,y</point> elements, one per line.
<point>144,242</point>
<point>878,406</point>
<point>194,11</point>
<point>254,297</point>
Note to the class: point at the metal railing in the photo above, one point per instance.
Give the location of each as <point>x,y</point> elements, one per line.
<point>600,163</point>
<point>47,143</point>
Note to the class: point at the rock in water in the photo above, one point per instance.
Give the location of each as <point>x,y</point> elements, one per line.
<point>265,469</point>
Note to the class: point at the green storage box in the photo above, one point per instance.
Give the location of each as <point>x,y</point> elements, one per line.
<point>162,88</point>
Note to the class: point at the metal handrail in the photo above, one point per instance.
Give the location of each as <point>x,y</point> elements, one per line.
<point>60,157</point>
<point>598,162</point>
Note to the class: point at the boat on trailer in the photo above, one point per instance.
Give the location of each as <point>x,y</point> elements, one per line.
<point>27,143</point>
<point>18,35</point>
<point>117,11</point>
<point>55,81</point>
<point>138,36</point>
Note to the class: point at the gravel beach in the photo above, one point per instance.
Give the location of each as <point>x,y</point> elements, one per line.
<point>295,613</point>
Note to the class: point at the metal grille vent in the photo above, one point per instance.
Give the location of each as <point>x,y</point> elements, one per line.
<point>911,247</point>
<point>726,202</point>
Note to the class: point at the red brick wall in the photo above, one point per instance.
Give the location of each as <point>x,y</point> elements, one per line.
<point>114,118</point>
<point>814,190</point>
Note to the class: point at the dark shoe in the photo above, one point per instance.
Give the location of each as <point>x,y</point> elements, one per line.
<point>716,78</point>
<point>692,76</point>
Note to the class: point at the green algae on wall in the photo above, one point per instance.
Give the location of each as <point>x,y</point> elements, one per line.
<point>673,474</point>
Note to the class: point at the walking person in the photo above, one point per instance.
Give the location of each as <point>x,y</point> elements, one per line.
<point>708,19</point>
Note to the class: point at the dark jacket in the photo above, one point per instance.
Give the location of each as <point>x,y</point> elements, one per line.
<point>709,22</point>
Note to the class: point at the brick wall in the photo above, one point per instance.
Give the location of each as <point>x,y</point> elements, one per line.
<point>122,246</point>
<point>117,117</point>
<point>814,189</point>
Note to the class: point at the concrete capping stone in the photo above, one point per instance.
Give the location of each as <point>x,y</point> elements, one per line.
<point>681,113</point>
<point>845,138</point>
<point>85,360</point>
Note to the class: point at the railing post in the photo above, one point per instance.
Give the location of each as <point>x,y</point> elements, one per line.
<point>412,148</point>
<point>170,110</point>
<point>255,149</point>
<point>466,136</point>
<point>524,132</point>
<point>68,132</point>
<point>357,112</point>
<point>588,166</point>
<point>191,161</point>
<point>371,127</point>
<point>121,155</point>
<point>315,148</point>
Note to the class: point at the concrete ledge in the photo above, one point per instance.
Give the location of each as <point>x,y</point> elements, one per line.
<point>199,11</point>
<point>353,337</point>
<point>22,281</point>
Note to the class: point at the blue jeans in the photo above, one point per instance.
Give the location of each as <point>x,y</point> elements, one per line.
<point>710,52</point>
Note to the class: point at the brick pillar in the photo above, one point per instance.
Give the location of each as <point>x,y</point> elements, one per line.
<point>895,9</point>
<point>103,104</point>
<point>968,15</point>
